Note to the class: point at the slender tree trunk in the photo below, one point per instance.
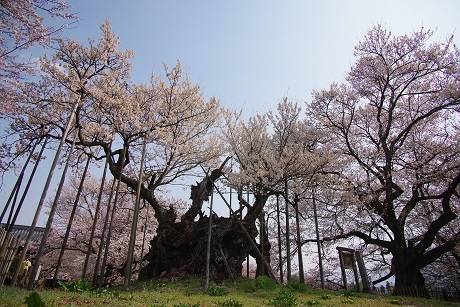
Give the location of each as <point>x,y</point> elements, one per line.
<point>298,240</point>
<point>71,218</point>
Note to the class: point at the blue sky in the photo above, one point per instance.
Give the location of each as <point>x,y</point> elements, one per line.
<point>249,53</point>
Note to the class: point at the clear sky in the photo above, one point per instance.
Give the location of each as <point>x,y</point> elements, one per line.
<point>249,53</point>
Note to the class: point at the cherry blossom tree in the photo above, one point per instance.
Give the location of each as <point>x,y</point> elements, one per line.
<point>270,150</point>
<point>113,116</point>
<point>395,122</point>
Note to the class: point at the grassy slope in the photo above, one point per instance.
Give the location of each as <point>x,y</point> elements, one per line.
<point>187,294</point>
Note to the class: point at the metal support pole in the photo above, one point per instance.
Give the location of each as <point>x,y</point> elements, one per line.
<point>132,237</point>
<point>41,248</point>
<point>280,256</point>
<point>95,220</point>
<point>71,218</point>
<point>318,243</point>
<point>44,192</point>
<point>208,245</point>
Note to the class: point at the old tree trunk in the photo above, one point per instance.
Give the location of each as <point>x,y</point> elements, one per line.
<point>179,247</point>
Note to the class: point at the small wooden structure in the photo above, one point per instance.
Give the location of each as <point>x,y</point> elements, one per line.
<point>11,243</point>
<point>348,258</point>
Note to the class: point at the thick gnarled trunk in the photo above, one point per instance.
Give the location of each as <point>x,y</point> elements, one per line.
<point>179,249</point>
<point>409,281</point>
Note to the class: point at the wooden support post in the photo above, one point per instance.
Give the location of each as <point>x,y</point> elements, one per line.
<point>363,272</point>
<point>95,220</point>
<point>146,221</point>
<point>231,190</point>
<point>280,256</point>
<point>49,222</point>
<point>29,182</point>
<point>248,236</point>
<point>342,268</point>
<point>224,257</point>
<point>262,237</point>
<point>355,272</point>
<point>318,242</point>
<point>110,226</point>
<point>13,204</point>
<point>71,218</point>
<point>103,234</point>
<point>208,244</point>
<point>298,240</point>
<point>132,237</point>
<point>17,186</point>
<point>247,257</point>
<point>288,243</point>
<point>44,192</point>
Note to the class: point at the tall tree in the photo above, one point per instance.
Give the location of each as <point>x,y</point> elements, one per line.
<point>395,123</point>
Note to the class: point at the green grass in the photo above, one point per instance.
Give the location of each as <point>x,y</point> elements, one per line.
<point>188,293</point>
